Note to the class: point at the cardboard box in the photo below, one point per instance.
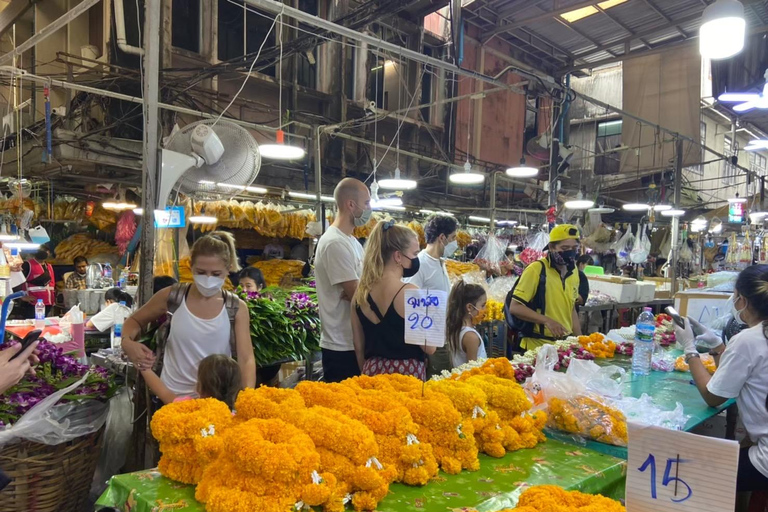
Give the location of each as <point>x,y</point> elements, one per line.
<point>622,289</point>
<point>646,292</point>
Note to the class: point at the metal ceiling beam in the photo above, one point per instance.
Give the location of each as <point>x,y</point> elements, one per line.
<point>621,25</point>
<point>661,13</point>
<point>523,22</point>
<point>13,12</point>
<point>583,34</point>
<point>48,30</point>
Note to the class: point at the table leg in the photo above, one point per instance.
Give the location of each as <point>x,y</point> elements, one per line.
<point>731,417</point>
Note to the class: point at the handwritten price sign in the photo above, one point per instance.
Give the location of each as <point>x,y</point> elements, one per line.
<point>672,471</point>
<point>425,317</point>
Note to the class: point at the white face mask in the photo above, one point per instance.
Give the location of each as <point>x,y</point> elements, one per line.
<point>209,286</point>
<point>737,312</point>
<point>450,248</point>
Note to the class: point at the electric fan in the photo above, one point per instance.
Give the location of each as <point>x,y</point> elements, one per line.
<point>207,160</point>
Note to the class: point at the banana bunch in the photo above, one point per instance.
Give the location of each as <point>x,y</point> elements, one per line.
<point>82,244</point>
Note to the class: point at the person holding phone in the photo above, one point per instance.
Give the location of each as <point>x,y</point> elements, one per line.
<point>16,362</point>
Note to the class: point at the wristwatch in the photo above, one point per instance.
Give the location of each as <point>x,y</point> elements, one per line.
<point>690,356</point>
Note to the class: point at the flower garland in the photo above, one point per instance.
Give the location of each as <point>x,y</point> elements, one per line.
<point>190,436</point>
<point>664,335</point>
<point>707,360</point>
<point>597,345</point>
<point>550,498</point>
<point>588,417</point>
<point>494,311</point>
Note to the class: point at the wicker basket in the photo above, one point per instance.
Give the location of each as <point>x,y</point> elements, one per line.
<point>49,478</point>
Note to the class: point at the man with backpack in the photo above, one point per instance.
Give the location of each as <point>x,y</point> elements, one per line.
<point>541,307</point>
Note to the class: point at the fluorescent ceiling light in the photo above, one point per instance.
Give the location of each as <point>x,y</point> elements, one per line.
<point>722,30</point>
<point>305,195</point>
<point>578,14</point>
<point>579,204</point>
<point>479,219</point>
<point>506,222</point>
<point>737,96</point>
<point>202,219</point>
<point>673,213</point>
<point>138,211</point>
<point>22,245</point>
<point>468,177</point>
<point>601,209</point>
<point>636,207</point>
<point>118,206</point>
<point>432,212</point>
<point>397,183</point>
<point>662,207</point>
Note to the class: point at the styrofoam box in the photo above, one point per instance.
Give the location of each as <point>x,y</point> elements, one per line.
<point>623,293</point>
<point>646,292</point>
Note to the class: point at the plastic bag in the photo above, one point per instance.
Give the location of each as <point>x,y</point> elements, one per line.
<point>499,287</point>
<point>52,424</point>
<point>643,411</point>
<point>546,383</point>
<point>623,247</point>
<point>492,257</point>
<point>603,380</point>
<point>663,361</point>
<point>642,247</point>
<point>116,439</point>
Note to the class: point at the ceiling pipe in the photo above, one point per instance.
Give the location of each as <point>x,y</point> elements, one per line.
<point>120,38</point>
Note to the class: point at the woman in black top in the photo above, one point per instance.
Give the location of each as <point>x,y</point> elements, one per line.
<point>378,323</point>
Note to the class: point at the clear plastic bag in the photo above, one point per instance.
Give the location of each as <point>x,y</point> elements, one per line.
<point>492,257</point>
<point>643,411</point>
<point>642,247</point>
<point>603,380</point>
<point>499,287</point>
<point>52,424</point>
<point>623,247</point>
<point>116,439</point>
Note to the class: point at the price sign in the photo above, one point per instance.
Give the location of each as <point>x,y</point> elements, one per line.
<point>425,317</point>
<point>672,471</point>
<point>172,217</point>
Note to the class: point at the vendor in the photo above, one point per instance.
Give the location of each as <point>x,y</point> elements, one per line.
<point>553,316</point>
<point>105,319</point>
<point>39,285</point>
<point>742,373</point>
<point>251,280</point>
<point>440,233</point>
<point>76,280</point>
<point>207,320</point>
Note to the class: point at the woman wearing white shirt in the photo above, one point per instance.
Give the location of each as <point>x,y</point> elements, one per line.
<point>742,373</point>
<point>105,319</point>
<point>440,233</point>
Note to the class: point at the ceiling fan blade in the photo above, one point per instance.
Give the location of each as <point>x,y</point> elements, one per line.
<point>744,107</point>
<point>738,96</point>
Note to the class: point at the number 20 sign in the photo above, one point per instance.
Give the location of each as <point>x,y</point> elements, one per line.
<point>425,317</point>
<point>672,471</point>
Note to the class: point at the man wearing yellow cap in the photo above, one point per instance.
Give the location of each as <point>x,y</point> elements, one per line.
<point>548,314</point>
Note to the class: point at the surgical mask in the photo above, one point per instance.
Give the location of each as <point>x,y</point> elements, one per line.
<point>450,248</point>
<point>737,312</point>
<point>364,217</point>
<point>415,264</point>
<point>209,286</point>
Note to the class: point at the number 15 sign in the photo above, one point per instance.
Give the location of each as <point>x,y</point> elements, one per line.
<point>672,471</point>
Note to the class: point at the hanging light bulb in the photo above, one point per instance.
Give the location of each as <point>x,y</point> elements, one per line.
<point>281,150</point>
<point>636,207</point>
<point>397,183</point>
<point>579,203</point>
<point>468,177</point>
<point>722,29</point>
<point>522,170</point>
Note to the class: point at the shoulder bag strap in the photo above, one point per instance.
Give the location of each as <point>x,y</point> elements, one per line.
<point>175,296</point>
<point>232,303</point>
<point>541,291</point>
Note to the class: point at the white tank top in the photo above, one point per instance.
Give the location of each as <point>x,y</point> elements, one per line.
<point>192,339</point>
<point>460,357</point>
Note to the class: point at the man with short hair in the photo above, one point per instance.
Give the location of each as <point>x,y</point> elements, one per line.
<point>440,232</point>
<point>76,280</point>
<point>561,289</point>
<point>338,267</point>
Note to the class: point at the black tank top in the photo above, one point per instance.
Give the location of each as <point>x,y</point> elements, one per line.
<point>387,338</point>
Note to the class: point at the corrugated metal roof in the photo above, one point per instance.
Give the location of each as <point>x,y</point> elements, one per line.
<point>600,36</point>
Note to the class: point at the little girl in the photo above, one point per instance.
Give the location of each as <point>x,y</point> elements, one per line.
<point>466,308</point>
<point>218,376</point>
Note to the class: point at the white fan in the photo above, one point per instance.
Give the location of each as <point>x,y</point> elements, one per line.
<point>747,100</point>
<point>208,160</point>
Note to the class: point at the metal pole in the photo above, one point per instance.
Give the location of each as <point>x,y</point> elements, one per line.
<point>493,200</point>
<point>318,181</point>
<point>50,29</point>
<point>676,220</point>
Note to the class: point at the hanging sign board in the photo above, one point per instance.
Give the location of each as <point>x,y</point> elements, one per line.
<point>425,317</point>
<point>736,212</point>
<point>673,471</point>
<point>172,217</point>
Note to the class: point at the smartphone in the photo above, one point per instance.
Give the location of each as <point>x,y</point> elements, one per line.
<point>30,338</point>
<point>675,316</point>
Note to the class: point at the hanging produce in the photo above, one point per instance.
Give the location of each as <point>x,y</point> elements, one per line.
<point>82,244</point>
<point>419,230</point>
<point>275,270</point>
<point>126,228</point>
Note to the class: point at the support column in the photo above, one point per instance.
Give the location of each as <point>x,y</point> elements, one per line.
<point>676,220</point>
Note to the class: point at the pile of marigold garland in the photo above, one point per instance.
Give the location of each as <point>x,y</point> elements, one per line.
<point>329,445</point>
<point>550,498</point>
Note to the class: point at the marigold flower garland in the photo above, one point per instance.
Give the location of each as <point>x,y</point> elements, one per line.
<point>597,345</point>
<point>190,436</point>
<point>707,360</point>
<point>550,498</point>
<point>588,417</point>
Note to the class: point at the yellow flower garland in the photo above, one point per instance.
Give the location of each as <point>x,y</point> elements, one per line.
<point>598,345</point>
<point>498,366</point>
<point>505,396</point>
<point>588,417</point>
<point>550,498</point>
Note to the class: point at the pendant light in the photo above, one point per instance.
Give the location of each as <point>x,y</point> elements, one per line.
<point>636,207</point>
<point>397,183</point>
<point>662,207</point>
<point>280,150</point>
<point>522,170</point>
<point>722,31</point>
<point>579,203</point>
<point>673,213</point>
<point>468,177</point>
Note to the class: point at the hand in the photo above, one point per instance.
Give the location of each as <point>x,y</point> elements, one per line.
<point>11,372</point>
<point>557,330</point>
<point>140,355</point>
<point>685,338</point>
<point>705,336</point>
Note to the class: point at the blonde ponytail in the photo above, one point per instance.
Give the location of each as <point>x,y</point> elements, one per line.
<point>217,243</point>
<point>386,238</point>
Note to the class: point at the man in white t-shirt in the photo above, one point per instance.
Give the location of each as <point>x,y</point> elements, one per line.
<point>440,233</point>
<point>338,266</point>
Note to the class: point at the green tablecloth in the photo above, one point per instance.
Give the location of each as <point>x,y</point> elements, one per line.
<point>495,486</point>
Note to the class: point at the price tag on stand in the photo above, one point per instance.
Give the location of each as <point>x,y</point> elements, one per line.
<point>673,471</point>
<point>425,317</point>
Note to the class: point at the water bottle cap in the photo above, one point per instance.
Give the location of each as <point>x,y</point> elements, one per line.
<point>647,309</point>
<point>39,301</point>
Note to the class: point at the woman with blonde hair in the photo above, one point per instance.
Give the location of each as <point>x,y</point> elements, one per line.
<point>205,320</point>
<point>378,307</point>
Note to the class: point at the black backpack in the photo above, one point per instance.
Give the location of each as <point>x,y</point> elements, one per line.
<point>521,328</point>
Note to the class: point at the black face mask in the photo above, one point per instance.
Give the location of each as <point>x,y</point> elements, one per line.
<point>564,258</point>
<point>410,272</point>
<point>41,255</point>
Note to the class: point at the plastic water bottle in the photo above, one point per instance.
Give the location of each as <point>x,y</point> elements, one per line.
<point>117,331</point>
<point>122,282</point>
<point>645,329</point>
<point>108,274</point>
<point>40,315</point>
